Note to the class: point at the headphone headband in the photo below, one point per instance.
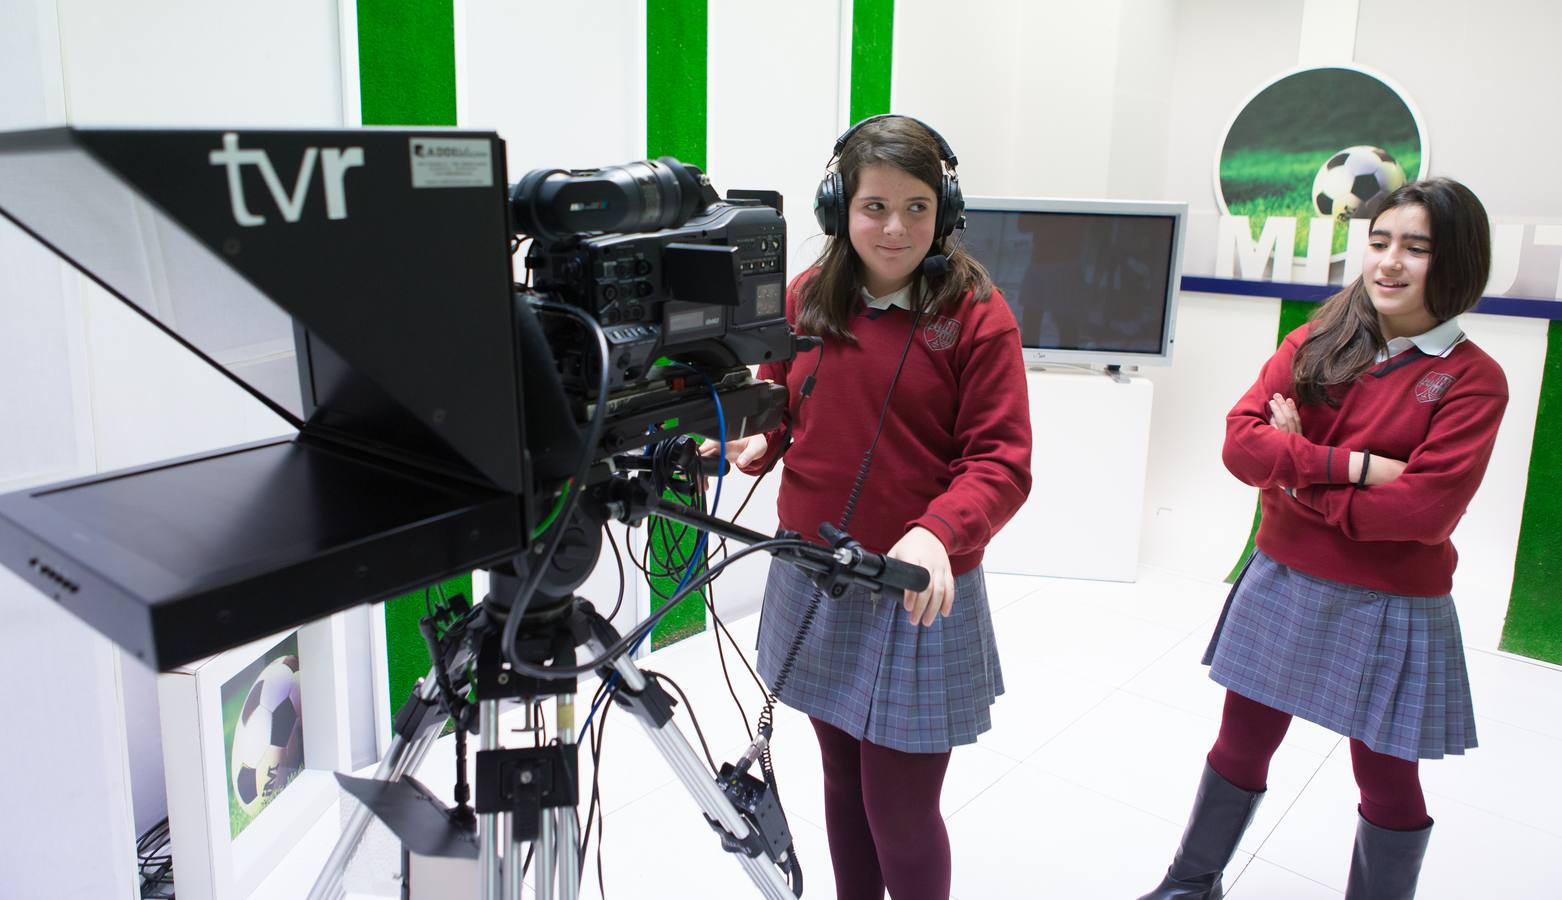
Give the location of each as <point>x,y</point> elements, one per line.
<point>830,200</point>
<point>944,152</point>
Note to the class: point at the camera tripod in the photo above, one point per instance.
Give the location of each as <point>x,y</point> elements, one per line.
<point>528,796</point>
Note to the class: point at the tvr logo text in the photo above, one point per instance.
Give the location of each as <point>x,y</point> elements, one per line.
<point>334,163</point>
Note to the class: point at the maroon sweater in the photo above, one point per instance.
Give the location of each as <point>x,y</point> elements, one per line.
<point>1438,414</point>
<point>954,457</point>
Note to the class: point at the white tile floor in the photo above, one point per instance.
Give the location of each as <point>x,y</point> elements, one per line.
<point>1082,787</point>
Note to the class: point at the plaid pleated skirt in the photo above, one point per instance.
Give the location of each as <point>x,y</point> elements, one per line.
<point>865,670</point>
<point>1385,669</point>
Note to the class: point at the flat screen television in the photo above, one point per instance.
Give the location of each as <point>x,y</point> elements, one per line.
<point>1091,282</point>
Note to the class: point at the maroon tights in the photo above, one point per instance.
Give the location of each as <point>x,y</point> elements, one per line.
<point>1250,733</point>
<point>881,811</point>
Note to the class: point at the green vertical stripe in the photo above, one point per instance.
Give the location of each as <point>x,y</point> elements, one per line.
<point>873,45</point>
<point>407,76</point>
<point>672,546</point>
<point>1293,315</point>
<point>675,77</point>
<point>675,43</point>
<point>406,652</point>
<point>407,62</point>
<point>1534,625</point>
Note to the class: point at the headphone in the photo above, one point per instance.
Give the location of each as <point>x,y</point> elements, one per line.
<point>830,200</point>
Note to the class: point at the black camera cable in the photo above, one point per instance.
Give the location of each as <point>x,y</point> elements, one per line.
<point>816,599</point>
<point>544,556</point>
<point>638,633</point>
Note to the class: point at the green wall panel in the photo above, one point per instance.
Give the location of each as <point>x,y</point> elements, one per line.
<point>1293,314</point>
<point>676,35</point>
<point>873,40</point>
<point>1534,624</point>
<point>407,76</point>
<point>407,62</point>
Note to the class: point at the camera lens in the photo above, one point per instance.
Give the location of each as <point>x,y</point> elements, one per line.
<point>635,197</point>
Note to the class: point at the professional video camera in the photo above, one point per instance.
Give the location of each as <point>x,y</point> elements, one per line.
<point>705,286</point>
<point>360,284</point>
<point>672,273</point>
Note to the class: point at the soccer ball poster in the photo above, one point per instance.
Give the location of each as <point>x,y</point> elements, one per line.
<point>1318,143</point>
<point>263,731</point>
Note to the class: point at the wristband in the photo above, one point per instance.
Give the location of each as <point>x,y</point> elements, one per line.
<point>1366,457</point>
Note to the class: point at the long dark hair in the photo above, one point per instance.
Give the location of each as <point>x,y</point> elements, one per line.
<point>829,299</point>
<point>1345,337</point>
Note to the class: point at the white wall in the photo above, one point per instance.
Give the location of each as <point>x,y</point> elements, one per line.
<point>772,112</point>
<point>95,387</point>
<point>562,83</point>
<point>1023,91</point>
<point>72,766</point>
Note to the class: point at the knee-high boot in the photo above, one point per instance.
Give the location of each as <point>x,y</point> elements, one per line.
<point>1221,813</point>
<point>1385,865</point>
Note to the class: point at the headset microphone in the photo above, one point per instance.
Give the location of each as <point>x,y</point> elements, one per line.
<point>935,265</point>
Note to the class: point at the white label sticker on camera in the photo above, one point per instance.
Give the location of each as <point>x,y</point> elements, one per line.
<point>451,162</point>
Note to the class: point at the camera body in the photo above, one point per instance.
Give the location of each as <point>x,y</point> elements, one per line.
<point>709,292</point>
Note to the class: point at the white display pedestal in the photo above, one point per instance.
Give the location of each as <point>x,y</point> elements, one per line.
<point>1090,447</point>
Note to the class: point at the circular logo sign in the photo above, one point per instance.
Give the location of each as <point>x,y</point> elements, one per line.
<point>1315,143</point>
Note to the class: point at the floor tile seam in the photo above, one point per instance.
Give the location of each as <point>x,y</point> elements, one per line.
<point>1505,656</point>
<point>1305,877</point>
<point>1498,814</point>
<point>1089,605</point>
<point>1009,756</point>
<point>1085,605</point>
<point>1143,696</point>
<point>1070,724</point>
<point>1280,820</point>
<point>1207,619</point>
<point>625,804</point>
<point>1015,765</point>
<point>804,819</point>
<point>1013,600</point>
<point>1183,576</point>
<point>1040,770</point>
<point>1527,729</point>
<point>1237,878</point>
<point>1151,664</point>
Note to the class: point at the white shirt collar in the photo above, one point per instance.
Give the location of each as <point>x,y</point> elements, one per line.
<point>1439,341</point>
<point>900,298</point>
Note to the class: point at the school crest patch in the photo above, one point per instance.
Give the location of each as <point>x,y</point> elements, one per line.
<point>1433,386</point>
<point>941,333</point>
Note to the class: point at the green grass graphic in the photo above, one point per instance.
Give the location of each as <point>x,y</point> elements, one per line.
<point>1261,182</point>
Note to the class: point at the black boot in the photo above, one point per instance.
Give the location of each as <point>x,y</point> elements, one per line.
<point>1221,812</point>
<point>1386,864</point>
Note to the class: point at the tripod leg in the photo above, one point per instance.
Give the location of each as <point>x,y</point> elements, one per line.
<point>542,879</point>
<point>514,856</point>
<point>404,755</point>
<point>567,824</point>
<point>567,831</point>
<point>489,825</point>
<point>698,780</point>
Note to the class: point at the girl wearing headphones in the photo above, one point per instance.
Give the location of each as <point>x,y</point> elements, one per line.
<point>1368,432</point>
<point>909,429</point>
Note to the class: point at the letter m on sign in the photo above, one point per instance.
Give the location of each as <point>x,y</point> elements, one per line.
<point>1235,245</point>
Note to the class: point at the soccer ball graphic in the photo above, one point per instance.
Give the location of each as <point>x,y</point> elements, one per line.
<point>268,741</point>
<point>1352,177</point>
